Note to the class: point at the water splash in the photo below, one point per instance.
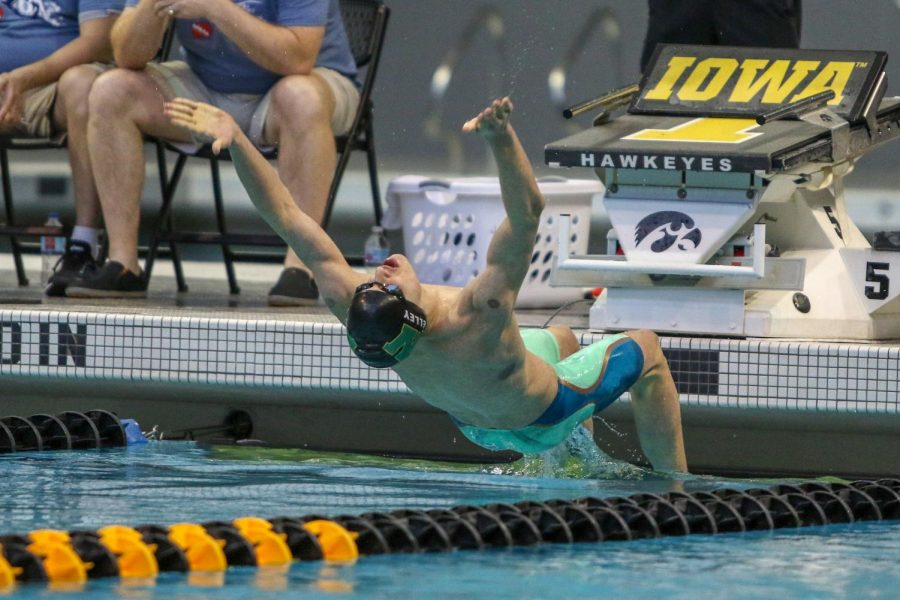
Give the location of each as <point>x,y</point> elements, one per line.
<point>577,458</point>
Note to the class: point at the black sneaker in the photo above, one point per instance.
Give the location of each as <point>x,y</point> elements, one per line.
<point>75,261</point>
<point>112,280</point>
<point>294,288</point>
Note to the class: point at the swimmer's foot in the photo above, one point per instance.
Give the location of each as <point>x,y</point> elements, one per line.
<point>493,121</point>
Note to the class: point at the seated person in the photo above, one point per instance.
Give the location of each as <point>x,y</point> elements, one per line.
<point>49,58</point>
<point>460,349</point>
<point>282,68</point>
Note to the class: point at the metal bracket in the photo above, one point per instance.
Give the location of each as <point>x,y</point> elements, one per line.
<point>870,112</point>
<point>781,274</point>
<point>837,126</point>
<point>566,262</point>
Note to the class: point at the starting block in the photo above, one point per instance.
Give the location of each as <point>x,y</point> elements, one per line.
<point>725,189</point>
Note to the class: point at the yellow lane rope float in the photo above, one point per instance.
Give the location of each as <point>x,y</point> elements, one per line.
<point>204,552</point>
<point>8,573</point>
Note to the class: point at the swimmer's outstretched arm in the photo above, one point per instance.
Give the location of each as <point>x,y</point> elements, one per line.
<point>335,278</point>
<point>511,247</point>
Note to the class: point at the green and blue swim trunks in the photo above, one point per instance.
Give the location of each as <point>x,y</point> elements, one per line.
<point>588,381</point>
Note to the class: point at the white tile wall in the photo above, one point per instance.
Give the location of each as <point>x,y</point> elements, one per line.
<point>784,375</point>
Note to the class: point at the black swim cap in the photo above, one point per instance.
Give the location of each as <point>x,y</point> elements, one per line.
<point>382,325</point>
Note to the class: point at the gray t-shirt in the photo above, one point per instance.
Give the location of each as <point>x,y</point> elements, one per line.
<point>225,68</point>
<point>34,29</point>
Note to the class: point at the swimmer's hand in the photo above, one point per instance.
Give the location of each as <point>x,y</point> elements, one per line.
<point>493,120</point>
<point>206,122</point>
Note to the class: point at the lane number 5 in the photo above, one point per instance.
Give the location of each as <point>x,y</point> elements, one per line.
<point>873,276</point>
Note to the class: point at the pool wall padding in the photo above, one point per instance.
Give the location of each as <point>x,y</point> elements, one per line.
<point>714,372</point>
<point>749,406</point>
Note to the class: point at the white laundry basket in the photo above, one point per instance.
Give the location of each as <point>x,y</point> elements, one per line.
<point>448,225</point>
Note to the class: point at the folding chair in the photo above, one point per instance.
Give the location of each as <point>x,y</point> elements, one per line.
<point>18,142</point>
<point>365,22</point>
<point>10,229</point>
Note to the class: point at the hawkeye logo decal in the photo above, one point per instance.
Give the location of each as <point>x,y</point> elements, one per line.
<point>671,227</point>
<point>702,131</point>
<point>776,81</point>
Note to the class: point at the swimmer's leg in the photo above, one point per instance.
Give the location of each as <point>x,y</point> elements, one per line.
<point>657,412</point>
<point>568,345</point>
<point>553,344</point>
<point>565,339</point>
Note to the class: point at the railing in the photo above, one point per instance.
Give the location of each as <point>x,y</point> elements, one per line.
<point>601,21</point>
<point>487,19</point>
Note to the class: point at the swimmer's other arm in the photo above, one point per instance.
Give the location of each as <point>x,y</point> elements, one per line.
<point>509,253</point>
<point>335,278</point>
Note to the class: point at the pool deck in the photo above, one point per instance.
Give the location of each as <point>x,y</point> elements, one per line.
<point>185,362</point>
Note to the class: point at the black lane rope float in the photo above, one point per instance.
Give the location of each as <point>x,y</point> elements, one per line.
<point>144,551</point>
<point>68,430</point>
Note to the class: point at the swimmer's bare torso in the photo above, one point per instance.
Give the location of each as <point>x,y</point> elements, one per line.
<point>472,363</point>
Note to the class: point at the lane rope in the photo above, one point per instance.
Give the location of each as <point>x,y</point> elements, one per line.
<point>68,430</point>
<point>142,552</point>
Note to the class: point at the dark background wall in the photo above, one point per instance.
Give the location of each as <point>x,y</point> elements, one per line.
<point>537,33</point>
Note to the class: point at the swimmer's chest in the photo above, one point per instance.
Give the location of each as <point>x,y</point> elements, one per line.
<point>471,360</point>
<point>477,342</point>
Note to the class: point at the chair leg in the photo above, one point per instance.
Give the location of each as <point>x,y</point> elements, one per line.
<point>336,182</point>
<point>10,218</point>
<point>373,172</point>
<point>227,255</point>
<point>176,257</point>
<point>153,247</point>
<point>102,248</point>
<point>168,191</point>
<point>168,195</point>
<point>369,148</point>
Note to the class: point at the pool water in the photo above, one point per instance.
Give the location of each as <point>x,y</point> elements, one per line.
<point>168,482</point>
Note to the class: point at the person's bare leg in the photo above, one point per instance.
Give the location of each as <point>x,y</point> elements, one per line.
<point>124,105</point>
<point>657,412</point>
<point>70,114</point>
<point>299,121</point>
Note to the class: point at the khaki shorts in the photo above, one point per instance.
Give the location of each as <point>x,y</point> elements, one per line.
<point>250,110</point>
<point>37,108</point>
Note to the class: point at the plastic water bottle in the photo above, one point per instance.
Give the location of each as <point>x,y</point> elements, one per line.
<point>377,247</point>
<point>52,247</point>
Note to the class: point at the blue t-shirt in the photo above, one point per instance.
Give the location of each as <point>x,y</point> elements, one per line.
<point>34,29</point>
<point>224,67</point>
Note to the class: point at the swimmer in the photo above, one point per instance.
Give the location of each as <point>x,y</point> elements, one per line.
<point>461,349</point>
